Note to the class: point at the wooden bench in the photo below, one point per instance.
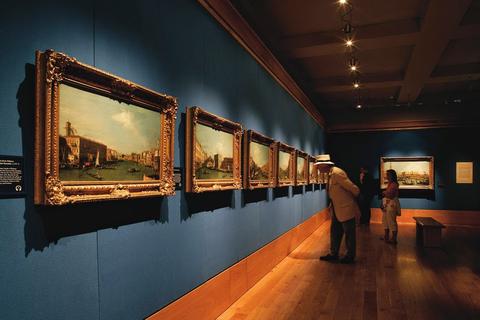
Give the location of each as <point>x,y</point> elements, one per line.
<point>429,231</point>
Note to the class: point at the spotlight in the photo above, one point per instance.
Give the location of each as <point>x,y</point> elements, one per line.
<point>353,64</point>
<point>342,2</point>
<point>349,43</point>
<point>356,85</point>
<point>359,106</point>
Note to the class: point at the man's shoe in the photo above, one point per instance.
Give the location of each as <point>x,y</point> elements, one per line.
<point>329,257</point>
<point>347,260</point>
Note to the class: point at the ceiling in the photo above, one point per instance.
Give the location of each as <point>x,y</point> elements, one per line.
<point>419,60</point>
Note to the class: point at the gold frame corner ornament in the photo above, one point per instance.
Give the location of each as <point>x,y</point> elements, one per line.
<point>54,68</point>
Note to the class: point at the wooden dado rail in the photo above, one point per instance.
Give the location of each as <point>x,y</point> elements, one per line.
<point>213,297</point>
<point>447,217</point>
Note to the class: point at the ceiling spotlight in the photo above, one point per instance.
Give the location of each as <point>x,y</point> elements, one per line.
<point>353,64</point>
<point>356,85</point>
<point>349,43</point>
<point>359,106</point>
<point>342,2</point>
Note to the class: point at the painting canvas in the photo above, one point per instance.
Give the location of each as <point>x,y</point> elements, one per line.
<point>284,162</point>
<point>213,152</point>
<point>301,176</point>
<point>98,136</point>
<point>312,171</point>
<point>259,164</point>
<point>115,142</point>
<point>412,172</point>
<point>285,165</point>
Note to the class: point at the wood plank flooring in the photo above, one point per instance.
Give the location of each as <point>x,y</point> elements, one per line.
<point>386,282</point>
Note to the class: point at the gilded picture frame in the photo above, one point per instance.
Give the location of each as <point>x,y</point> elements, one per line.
<point>258,160</point>
<point>301,168</point>
<point>213,152</point>
<point>412,172</point>
<point>285,165</point>
<point>312,171</point>
<point>79,165</point>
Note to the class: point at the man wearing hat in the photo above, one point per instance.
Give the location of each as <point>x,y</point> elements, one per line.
<point>343,208</point>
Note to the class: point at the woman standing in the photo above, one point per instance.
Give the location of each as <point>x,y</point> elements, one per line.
<point>390,207</point>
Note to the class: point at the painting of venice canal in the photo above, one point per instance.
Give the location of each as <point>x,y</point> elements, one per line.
<point>101,139</point>
<point>213,153</point>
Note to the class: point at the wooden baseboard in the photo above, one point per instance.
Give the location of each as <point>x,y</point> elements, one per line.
<point>213,297</point>
<point>447,217</point>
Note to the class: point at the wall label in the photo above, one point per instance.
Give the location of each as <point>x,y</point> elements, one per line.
<point>11,176</point>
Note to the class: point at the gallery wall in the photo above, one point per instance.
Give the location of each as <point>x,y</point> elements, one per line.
<point>447,146</point>
<point>127,259</point>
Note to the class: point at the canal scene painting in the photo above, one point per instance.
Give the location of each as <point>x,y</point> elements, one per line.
<point>301,168</point>
<point>213,153</point>
<point>259,161</point>
<point>102,139</point>
<point>416,173</point>
<point>284,165</point>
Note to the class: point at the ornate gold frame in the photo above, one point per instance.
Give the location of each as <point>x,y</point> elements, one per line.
<point>300,181</point>
<point>192,184</point>
<point>54,68</point>
<point>431,174</point>
<point>286,148</point>
<point>312,171</point>
<point>252,136</point>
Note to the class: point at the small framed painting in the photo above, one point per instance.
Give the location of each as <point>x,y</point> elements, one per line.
<point>285,165</point>
<point>301,168</point>
<point>312,171</point>
<point>213,152</point>
<point>258,160</point>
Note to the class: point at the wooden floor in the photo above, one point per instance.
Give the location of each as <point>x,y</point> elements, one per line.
<point>386,282</point>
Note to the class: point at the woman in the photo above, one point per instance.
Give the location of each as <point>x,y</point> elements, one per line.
<point>390,207</point>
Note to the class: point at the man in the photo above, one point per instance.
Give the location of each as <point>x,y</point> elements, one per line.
<point>343,208</point>
<point>366,195</point>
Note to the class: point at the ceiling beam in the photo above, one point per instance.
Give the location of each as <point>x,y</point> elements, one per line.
<point>378,37</point>
<point>440,24</point>
<point>395,83</point>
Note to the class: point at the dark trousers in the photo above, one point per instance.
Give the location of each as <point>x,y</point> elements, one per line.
<point>337,229</point>
<point>364,204</point>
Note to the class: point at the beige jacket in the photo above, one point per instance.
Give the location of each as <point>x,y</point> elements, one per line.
<point>343,194</point>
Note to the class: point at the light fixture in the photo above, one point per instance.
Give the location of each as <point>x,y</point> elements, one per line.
<point>342,2</point>
<point>359,106</point>
<point>356,84</point>
<point>353,68</point>
<point>349,43</point>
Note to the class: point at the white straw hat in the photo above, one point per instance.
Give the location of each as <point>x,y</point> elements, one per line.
<point>323,159</point>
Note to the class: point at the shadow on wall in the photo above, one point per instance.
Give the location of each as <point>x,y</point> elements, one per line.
<point>255,195</point>
<point>44,225</point>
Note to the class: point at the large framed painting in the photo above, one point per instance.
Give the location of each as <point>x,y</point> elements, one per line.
<point>312,171</point>
<point>301,168</point>
<point>98,136</point>
<point>258,160</point>
<point>285,165</point>
<point>412,172</point>
<point>213,152</point>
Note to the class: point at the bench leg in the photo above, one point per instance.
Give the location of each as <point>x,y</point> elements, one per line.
<point>419,236</point>
<point>432,237</point>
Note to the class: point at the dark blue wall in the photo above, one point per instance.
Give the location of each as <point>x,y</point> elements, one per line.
<point>447,146</point>
<point>125,260</point>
